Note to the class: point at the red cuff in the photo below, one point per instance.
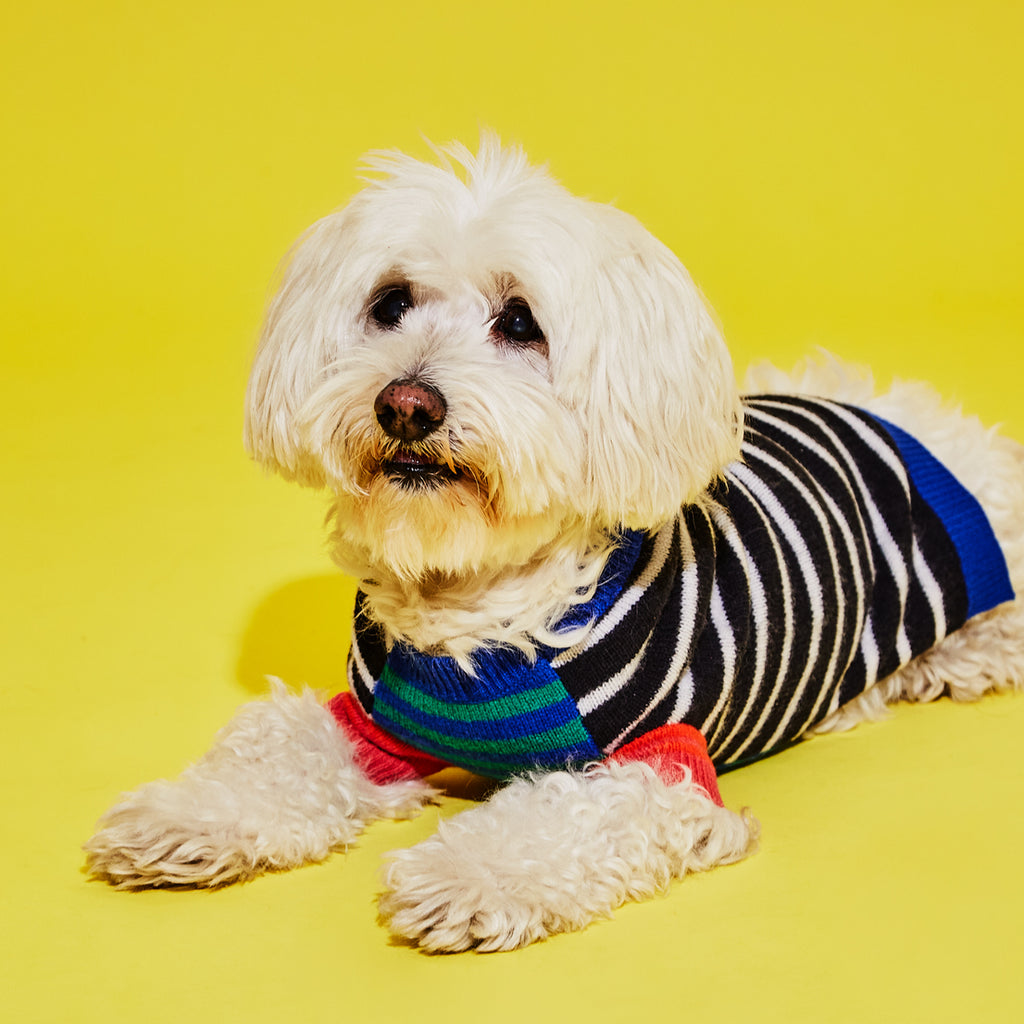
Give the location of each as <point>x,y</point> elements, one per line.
<point>669,750</point>
<point>383,757</point>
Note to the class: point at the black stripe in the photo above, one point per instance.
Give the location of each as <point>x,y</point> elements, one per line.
<point>606,722</point>
<point>368,636</point>
<point>769,560</point>
<point>614,652</point>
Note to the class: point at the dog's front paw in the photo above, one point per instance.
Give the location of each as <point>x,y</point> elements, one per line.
<point>279,788</point>
<point>153,838</point>
<point>552,854</point>
<point>447,897</point>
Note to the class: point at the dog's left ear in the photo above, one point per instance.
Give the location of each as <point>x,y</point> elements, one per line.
<point>653,381</point>
<point>293,352</point>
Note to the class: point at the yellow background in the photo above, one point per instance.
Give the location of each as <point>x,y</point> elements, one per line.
<point>845,173</point>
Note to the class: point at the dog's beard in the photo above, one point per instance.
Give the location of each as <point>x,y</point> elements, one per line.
<point>415,510</point>
<point>416,528</point>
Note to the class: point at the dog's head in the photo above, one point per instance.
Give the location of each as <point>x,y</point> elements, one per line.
<point>473,362</point>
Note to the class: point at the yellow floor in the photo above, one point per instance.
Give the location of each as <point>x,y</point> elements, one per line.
<point>840,174</point>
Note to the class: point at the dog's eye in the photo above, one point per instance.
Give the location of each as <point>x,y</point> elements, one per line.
<point>516,324</point>
<point>389,307</point>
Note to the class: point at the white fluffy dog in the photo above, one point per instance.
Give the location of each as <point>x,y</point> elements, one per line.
<point>588,567</point>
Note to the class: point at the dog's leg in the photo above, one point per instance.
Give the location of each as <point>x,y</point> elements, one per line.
<point>552,853</point>
<point>279,788</point>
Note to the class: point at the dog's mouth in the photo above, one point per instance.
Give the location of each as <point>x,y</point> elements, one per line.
<point>418,469</point>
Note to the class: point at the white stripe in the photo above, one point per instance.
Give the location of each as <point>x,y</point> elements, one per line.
<point>684,697</point>
<point>727,643</point>
<point>871,439</point>
<point>625,601</point>
<point>758,617</point>
<point>881,535</point>
<point>932,591</point>
<point>897,566</point>
<point>612,686</point>
<point>872,658</point>
<point>815,592</point>
<point>357,662</point>
<point>689,589</point>
<point>761,624</point>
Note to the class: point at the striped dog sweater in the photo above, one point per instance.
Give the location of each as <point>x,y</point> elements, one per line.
<point>835,551</point>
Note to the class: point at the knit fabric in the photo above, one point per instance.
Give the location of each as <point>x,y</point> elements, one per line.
<point>835,551</point>
<point>383,757</point>
<point>676,752</point>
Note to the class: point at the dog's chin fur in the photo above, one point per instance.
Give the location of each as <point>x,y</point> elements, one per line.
<point>487,528</point>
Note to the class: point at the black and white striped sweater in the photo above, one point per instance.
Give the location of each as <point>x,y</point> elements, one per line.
<point>833,553</point>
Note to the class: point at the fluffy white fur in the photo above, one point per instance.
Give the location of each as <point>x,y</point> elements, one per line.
<point>279,788</point>
<point>556,449</point>
<point>625,412</point>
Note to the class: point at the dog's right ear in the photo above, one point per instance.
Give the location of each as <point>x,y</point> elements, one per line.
<point>649,374</point>
<point>295,349</point>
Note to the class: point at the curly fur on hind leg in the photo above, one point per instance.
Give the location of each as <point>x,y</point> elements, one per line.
<point>552,853</point>
<point>279,788</point>
<point>984,656</point>
<point>987,653</point>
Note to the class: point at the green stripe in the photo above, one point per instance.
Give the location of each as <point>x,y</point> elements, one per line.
<point>560,737</point>
<point>485,711</point>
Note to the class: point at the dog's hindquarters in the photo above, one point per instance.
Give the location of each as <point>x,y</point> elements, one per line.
<point>987,653</point>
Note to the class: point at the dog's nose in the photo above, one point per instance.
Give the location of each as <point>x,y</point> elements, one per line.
<point>409,410</point>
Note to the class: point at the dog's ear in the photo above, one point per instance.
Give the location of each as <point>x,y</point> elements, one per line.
<point>653,381</point>
<point>294,350</point>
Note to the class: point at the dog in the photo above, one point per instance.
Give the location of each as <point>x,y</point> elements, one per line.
<point>588,567</point>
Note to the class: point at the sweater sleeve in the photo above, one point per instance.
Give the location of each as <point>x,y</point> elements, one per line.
<point>381,756</point>
<point>675,752</point>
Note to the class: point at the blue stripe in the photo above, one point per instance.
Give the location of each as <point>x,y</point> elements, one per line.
<point>981,559</point>
<point>498,673</point>
<point>616,574</point>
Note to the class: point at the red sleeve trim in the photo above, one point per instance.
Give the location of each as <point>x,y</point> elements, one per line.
<point>669,750</point>
<point>383,757</point>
